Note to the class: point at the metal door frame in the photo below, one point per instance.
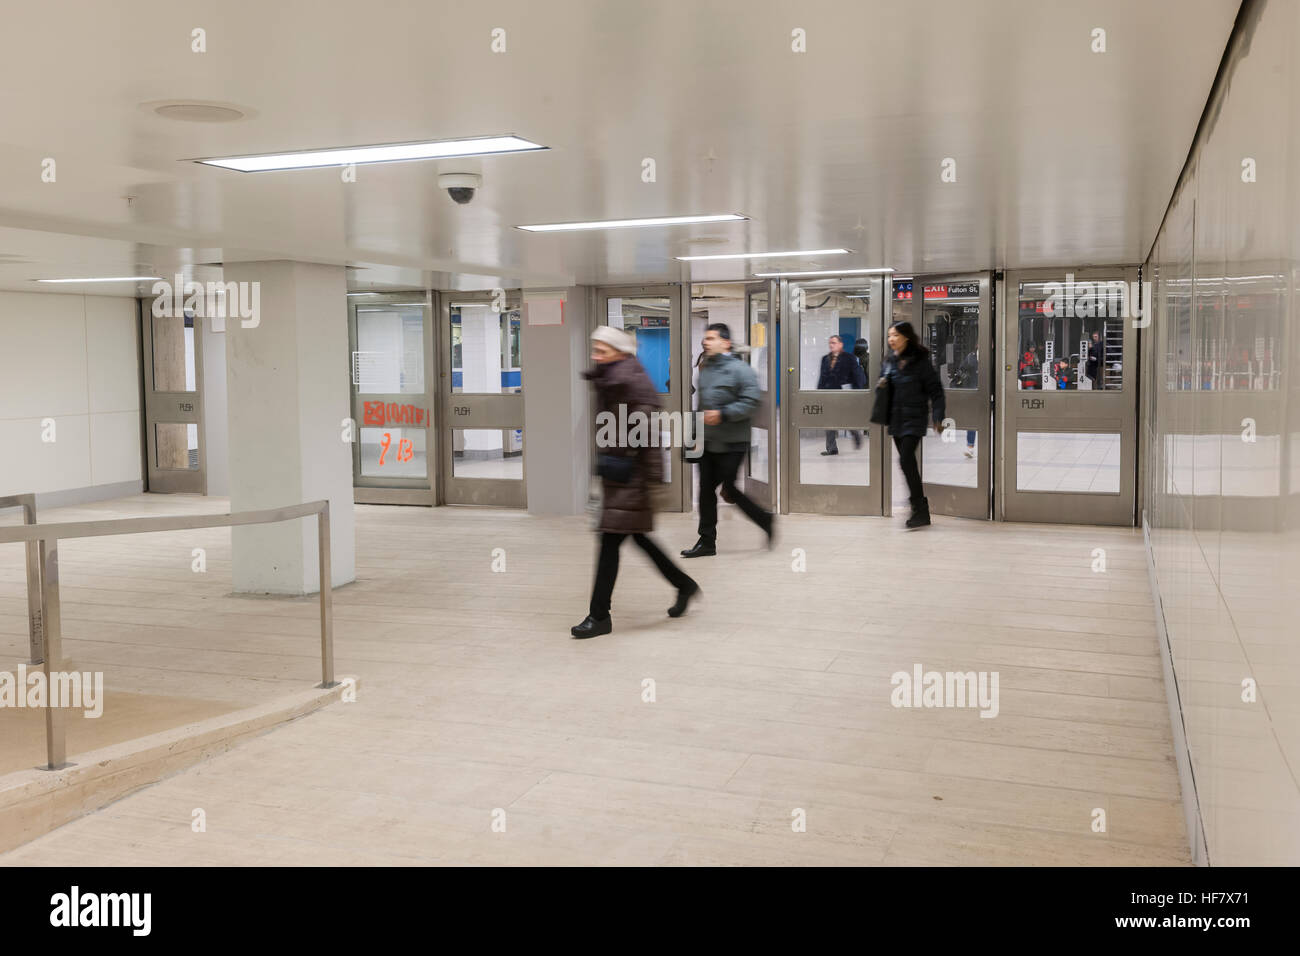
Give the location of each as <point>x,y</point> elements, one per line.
<point>370,489</point>
<point>678,496</point>
<point>168,408</point>
<point>1076,411</point>
<point>467,410</point>
<point>820,409</point>
<point>766,492</point>
<point>963,406</point>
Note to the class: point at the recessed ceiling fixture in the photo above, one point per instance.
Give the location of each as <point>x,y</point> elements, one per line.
<point>199,112</point>
<point>392,153</point>
<point>824,272</point>
<point>628,223</point>
<point>107,279</point>
<point>767,255</point>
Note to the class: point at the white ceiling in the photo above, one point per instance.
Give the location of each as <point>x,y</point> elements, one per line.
<point>1064,156</point>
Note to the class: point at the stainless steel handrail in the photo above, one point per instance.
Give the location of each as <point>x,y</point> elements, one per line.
<point>28,504</point>
<point>43,581</point>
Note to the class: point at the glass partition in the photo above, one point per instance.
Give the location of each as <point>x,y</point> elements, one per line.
<point>1071,335</point>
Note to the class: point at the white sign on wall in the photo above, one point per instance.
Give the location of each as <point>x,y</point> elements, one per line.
<point>367,370</point>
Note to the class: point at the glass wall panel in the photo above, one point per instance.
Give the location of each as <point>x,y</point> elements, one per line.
<point>390,351</point>
<point>1071,334</point>
<point>485,354</point>
<point>850,465</point>
<point>488,453</point>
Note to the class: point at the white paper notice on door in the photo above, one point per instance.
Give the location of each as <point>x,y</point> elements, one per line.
<point>545,311</point>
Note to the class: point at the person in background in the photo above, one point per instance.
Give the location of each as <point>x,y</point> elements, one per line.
<point>629,476</point>
<point>862,352</point>
<point>916,388</point>
<point>1096,359</point>
<point>699,363</point>
<point>728,397</point>
<point>840,370</point>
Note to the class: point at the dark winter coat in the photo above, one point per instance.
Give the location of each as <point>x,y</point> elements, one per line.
<point>916,389</point>
<point>846,371</point>
<point>729,386</point>
<point>628,507</point>
<point>1096,359</point>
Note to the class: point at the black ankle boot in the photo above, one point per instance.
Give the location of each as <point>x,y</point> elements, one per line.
<point>592,627</point>
<point>920,515</point>
<point>684,596</point>
<point>702,549</point>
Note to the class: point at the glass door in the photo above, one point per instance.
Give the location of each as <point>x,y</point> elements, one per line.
<point>652,315</point>
<point>832,457</point>
<point>1069,410</point>
<point>390,342</point>
<point>746,310</point>
<point>481,399</point>
<point>953,317</point>
<point>173,377</point>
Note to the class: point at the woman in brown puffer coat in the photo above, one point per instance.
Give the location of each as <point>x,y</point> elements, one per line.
<point>630,469</point>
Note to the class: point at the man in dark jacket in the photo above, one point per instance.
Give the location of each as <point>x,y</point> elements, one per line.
<point>916,390</point>
<point>1096,359</point>
<point>728,396</point>
<point>840,370</point>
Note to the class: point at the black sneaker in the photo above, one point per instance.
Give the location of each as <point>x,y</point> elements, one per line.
<point>836,452</point>
<point>684,596</point>
<point>591,627</point>
<point>702,549</point>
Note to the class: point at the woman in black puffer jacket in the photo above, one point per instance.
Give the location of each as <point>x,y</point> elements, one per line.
<point>628,474</point>
<point>916,390</point>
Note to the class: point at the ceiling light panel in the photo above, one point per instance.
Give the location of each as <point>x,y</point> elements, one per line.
<point>360,155</point>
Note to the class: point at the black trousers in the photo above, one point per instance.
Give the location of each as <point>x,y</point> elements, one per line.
<point>607,569</point>
<point>719,468</point>
<point>831,434</point>
<point>906,445</point>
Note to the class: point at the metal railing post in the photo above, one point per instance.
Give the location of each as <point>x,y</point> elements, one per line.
<point>55,737</point>
<point>35,630</point>
<point>326,597</point>
<point>34,636</point>
<point>43,583</point>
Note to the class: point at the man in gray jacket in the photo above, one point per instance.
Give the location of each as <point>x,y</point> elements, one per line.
<point>728,397</point>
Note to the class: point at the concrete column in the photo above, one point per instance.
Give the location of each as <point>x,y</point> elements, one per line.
<point>557,416</point>
<point>287,386</point>
<point>215,416</point>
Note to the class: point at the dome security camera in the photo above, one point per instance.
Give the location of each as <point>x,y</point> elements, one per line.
<point>460,186</point>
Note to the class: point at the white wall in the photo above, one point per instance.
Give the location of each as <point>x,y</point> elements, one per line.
<point>74,359</point>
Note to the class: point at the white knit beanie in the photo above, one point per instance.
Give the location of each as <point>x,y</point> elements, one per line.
<point>616,339</point>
